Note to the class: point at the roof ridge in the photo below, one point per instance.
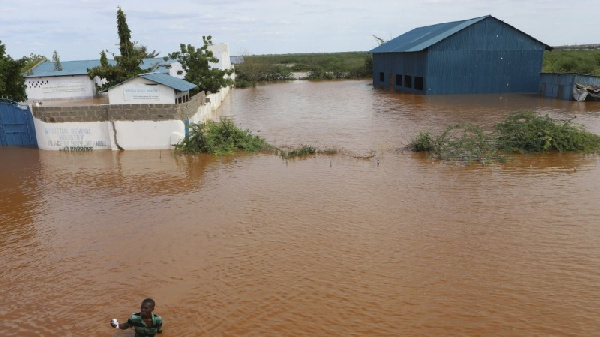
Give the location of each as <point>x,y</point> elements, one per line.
<point>421,38</point>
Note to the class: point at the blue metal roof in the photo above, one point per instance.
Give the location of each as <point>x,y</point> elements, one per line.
<point>422,38</point>
<point>170,81</point>
<point>46,69</point>
<point>69,68</point>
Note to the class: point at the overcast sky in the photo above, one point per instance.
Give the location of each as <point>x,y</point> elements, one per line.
<point>80,29</point>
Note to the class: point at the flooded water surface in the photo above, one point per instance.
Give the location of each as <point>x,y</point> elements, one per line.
<point>372,241</point>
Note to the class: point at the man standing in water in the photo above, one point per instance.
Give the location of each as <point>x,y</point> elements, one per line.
<point>146,323</point>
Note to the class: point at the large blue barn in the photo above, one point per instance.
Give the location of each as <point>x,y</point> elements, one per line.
<point>480,55</point>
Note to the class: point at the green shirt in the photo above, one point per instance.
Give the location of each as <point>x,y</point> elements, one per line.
<point>141,329</point>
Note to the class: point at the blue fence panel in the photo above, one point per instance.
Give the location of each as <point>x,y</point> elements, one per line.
<point>16,125</point>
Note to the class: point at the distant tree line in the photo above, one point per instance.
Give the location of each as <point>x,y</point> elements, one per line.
<point>355,65</point>
<point>561,61</point>
<point>327,66</point>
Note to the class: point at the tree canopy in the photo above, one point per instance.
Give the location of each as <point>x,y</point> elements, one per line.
<point>56,60</point>
<point>585,62</point>
<point>196,62</point>
<point>12,83</point>
<point>31,61</point>
<point>129,62</point>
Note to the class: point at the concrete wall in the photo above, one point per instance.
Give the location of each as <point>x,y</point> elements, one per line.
<point>122,127</point>
<point>60,87</point>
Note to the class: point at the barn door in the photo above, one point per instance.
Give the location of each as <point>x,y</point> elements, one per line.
<point>16,124</point>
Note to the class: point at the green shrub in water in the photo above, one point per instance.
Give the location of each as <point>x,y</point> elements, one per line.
<point>304,150</point>
<point>524,132</point>
<point>424,142</point>
<point>462,142</point>
<point>219,139</point>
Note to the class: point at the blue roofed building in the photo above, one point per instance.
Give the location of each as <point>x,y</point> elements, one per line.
<point>480,55</point>
<point>151,88</point>
<point>44,82</point>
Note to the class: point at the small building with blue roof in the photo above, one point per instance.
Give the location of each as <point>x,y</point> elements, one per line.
<point>151,88</point>
<point>480,55</point>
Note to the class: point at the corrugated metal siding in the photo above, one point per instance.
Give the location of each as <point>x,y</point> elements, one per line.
<point>169,81</point>
<point>561,85</point>
<point>464,71</point>
<point>421,38</point>
<point>412,64</point>
<point>490,34</point>
<point>488,56</point>
<point>46,69</point>
<point>16,125</point>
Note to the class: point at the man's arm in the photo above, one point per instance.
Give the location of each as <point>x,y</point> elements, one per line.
<point>122,326</point>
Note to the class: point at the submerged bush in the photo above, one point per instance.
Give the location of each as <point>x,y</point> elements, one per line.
<point>523,132</point>
<point>462,142</point>
<point>424,142</point>
<point>219,139</point>
<point>303,150</point>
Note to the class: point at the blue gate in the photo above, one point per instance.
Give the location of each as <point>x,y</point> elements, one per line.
<point>16,124</point>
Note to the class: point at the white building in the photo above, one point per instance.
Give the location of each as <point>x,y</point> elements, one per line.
<point>152,88</point>
<point>71,82</point>
<point>45,82</point>
<point>221,52</point>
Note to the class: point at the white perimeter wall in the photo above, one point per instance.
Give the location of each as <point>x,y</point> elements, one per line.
<point>63,87</point>
<point>138,135</point>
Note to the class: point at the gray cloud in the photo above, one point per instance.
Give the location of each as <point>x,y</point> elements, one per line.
<point>81,29</point>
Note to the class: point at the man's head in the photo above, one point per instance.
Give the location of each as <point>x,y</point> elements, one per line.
<point>147,308</point>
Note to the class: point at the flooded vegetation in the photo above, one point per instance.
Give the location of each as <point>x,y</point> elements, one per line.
<point>370,239</point>
<point>523,132</point>
<point>219,138</point>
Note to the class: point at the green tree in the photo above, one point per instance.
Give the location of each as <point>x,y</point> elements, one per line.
<point>196,63</point>
<point>31,62</point>
<point>128,62</point>
<point>572,61</point>
<point>12,83</point>
<point>56,60</point>
<point>254,70</point>
<point>103,59</point>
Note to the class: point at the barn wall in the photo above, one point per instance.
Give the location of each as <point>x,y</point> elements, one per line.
<point>489,56</point>
<point>399,71</point>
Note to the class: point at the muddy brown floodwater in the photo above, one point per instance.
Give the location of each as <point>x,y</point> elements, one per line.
<point>373,241</point>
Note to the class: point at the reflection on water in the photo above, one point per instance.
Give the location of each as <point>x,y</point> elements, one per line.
<point>251,245</point>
